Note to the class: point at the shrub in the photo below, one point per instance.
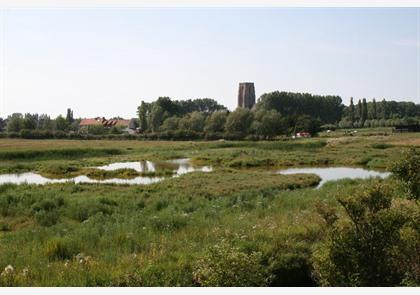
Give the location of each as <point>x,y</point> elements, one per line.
<point>381,146</point>
<point>408,171</point>
<point>225,266</point>
<point>47,218</point>
<point>60,249</point>
<point>364,249</point>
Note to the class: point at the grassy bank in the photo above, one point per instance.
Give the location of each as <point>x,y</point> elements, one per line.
<point>260,227</point>
<point>45,156</point>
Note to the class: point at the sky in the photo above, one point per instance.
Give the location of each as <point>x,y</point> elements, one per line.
<point>103,62</point>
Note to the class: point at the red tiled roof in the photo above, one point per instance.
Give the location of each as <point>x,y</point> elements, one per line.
<point>89,122</point>
<point>104,122</point>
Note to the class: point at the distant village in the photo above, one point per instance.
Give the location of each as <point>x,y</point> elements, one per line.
<point>129,126</point>
<point>277,113</point>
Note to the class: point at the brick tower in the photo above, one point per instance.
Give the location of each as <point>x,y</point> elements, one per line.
<point>246,95</point>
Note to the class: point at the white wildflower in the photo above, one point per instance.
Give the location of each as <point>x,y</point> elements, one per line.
<point>8,270</point>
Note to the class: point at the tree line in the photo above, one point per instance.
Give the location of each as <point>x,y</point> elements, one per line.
<point>276,113</point>
<point>207,118</point>
<point>379,114</point>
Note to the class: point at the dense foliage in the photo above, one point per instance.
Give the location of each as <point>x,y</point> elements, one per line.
<point>275,114</point>
<point>373,245</point>
<point>328,109</point>
<point>380,114</point>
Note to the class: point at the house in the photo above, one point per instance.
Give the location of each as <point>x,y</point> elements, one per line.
<point>125,125</point>
<point>303,134</point>
<point>92,122</point>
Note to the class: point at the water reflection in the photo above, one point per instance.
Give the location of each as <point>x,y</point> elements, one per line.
<point>178,167</point>
<point>336,173</point>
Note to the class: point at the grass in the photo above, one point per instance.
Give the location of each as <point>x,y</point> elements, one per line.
<point>57,154</point>
<point>164,234</point>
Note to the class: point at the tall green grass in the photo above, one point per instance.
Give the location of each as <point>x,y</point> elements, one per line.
<point>57,154</point>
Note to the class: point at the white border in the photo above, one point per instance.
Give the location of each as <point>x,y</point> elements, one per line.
<point>204,3</point>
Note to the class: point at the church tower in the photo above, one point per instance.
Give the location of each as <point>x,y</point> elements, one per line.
<point>246,95</point>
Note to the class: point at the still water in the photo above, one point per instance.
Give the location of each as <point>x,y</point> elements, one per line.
<point>336,173</point>
<point>178,167</point>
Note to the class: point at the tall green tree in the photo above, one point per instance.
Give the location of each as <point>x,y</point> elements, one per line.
<point>364,110</point>
<point>351,110</point>
<point>143,112</point>
<point>69,116</point>
<point>15,122</point>
<point>60,123</point>
<point>268,123</point>
<point>30,121</point>
<point>239,122</point>
<point>156,118</point>
<point>193,122</point>
<point>216,122</point>
<point>374,110</point>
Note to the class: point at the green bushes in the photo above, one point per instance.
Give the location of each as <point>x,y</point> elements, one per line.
<point>367,248</point>
<point>82,211</point>
<point>381,146</point>
<point>408,170</point>
<point>46,212</point>
<point>60,249</point>
<point>224,265</point>
<point>289,263</point>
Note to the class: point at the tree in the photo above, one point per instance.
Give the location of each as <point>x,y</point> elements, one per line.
<point>352,114</point>
<point>143,112</point>
<point>45,122</point>
<point>170,124</point>
<point>268,123</point>
<point>359,109</point>
<point>193,122</point>
<point>364,111</point>
<point>69,116</point>
<point>374,110</point>
<point>96,129</point>
<point>239,121</point>
<point>2,124</point>
<point>30,121</point>
<point>328,108</point>
<point>157,116</point>
<point>216,122</point>
<point>308,124</point>
<point>15,122</point>
<point>367,247</point>
<point>61,123</point>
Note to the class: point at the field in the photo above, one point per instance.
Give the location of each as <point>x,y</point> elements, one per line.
<point>256,227</point>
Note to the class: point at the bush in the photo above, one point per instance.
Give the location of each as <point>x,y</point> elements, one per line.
<point>408,171</point>
<point>381,146</point>
<point>60,249</point>
<point>226,266</point>
<point>365,248</point>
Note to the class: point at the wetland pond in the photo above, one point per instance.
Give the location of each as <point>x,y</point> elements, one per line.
<point>177,167</point>
<point>336,173</point>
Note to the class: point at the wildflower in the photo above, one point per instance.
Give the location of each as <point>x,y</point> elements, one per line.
<point>8,270</point>
<point>25,271</point>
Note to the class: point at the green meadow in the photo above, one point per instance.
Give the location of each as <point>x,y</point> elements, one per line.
<point>239,225</point>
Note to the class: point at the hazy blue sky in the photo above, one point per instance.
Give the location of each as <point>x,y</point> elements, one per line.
<point>105,61</point>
